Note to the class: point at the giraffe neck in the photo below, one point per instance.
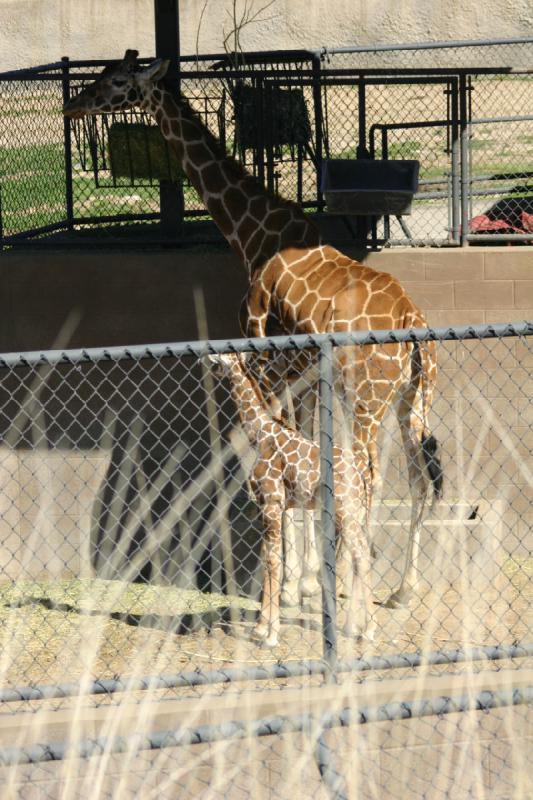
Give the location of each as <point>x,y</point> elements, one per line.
<point>256,224</point>
<point>250,405</point>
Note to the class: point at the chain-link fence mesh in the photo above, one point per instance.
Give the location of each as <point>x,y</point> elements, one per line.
<point>133,569</point>
<point>469,124</point>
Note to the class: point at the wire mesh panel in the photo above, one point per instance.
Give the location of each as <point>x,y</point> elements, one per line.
<point>128,504</point>
<point>464,115</point>
<point>32,155</point>
<point>500,157</point>
<point>138,495</point>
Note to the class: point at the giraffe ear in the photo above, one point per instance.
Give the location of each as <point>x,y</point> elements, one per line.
<point>156,70</point>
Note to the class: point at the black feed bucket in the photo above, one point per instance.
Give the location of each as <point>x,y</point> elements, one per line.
<point>367,187</point>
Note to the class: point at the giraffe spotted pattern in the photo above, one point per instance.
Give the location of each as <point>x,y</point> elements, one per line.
<point>286,474</point>
<point>297,284</point>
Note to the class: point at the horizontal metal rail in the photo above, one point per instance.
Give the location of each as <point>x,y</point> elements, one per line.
<point>277,343</point>
<point>309,723</point>
<point>441,45</point>
<point>502,237</point>
<point>280,670</point>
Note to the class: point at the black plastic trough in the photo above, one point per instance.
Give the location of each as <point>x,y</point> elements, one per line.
<point>368,187</point>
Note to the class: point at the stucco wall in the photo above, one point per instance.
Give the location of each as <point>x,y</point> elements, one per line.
<point>41,31</point>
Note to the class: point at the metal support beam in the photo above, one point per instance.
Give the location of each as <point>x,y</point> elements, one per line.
<point>167,45</point>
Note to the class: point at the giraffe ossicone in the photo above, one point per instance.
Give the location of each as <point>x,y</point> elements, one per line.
<point>298,284</point>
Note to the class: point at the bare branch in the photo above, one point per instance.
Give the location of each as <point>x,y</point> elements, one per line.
<point>198,30</point>
<point>240,19</point>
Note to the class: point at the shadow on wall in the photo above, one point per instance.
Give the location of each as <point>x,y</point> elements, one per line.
<point>164,501</point>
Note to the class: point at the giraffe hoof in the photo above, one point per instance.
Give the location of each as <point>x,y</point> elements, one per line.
<point>290,599</point>
<point>309,586</point>
<point>263,637</point>
<point>260,633</point>
<point>270,641</point>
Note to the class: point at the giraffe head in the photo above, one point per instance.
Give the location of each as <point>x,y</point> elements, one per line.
<point>120,86</point>
<point>223,363</point>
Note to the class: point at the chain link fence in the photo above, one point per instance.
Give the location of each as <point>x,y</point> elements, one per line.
<point>465,113</point>
<point>133,562</point>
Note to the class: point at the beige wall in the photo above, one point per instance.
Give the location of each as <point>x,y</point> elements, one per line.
<point>141,297</point>
<point>40,31</point>
<point>130,298</point>
<point>465,287</point>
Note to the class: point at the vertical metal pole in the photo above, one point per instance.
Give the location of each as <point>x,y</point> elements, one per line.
<point>167,45</point>
<point>69,191</point>
<point>361,143</point>
<point>465,177</point>
<point>262,168</point>
<point>327,503</point>
<point>319,146</point>
<point>362,223</point>
<point>455,148</point>
<point>1,224</point>
<point>385,156</point>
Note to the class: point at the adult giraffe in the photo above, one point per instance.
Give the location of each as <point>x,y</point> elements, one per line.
<point>297,283</point>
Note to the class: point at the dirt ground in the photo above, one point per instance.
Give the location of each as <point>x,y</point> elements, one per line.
<point>70,630</point>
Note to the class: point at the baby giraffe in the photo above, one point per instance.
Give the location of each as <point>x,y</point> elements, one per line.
<point>286,474</point>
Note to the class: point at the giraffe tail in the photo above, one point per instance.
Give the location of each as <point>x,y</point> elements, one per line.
<point>423,356</point>
<point>430,451</point>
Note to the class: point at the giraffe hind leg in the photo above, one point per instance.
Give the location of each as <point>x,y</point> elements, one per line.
<point>423,469</point>
<point>267,628</point>
<point>292,563</point>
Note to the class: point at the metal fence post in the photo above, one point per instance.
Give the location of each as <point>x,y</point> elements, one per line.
<point>167,45</point>
<point>69,192</point>
<point>327,497</point>
<point>455,160</point>
<point>1,224</point>
<point>319,133</point>
<point>465,165</point>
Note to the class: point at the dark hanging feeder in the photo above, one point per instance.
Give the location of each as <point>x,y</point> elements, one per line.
<point>270,115</point>
<point>369,188</point>
<point>139,151</point>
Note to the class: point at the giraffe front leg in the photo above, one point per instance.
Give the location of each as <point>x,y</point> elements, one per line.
<point>362,589</point>
<point>268,625</point>
<point>291,561</point>
<point>310,588</point>
<point>344,568</point>
<point>354,576</point>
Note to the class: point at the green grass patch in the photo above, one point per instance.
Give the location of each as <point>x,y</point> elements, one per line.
<point>482,144</point>
<point>97,596</point>
<point>519,564</point>
<point>33,190</point>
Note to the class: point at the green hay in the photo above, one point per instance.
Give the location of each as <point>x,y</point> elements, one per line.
<point>140,151</point>
<point>94,595</point>
<point>285,118</point>
<point>519,570</point>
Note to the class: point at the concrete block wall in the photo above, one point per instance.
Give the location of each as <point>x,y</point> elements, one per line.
<point>482,411</point>
<point>470,286</point>
<point>131,298</point>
